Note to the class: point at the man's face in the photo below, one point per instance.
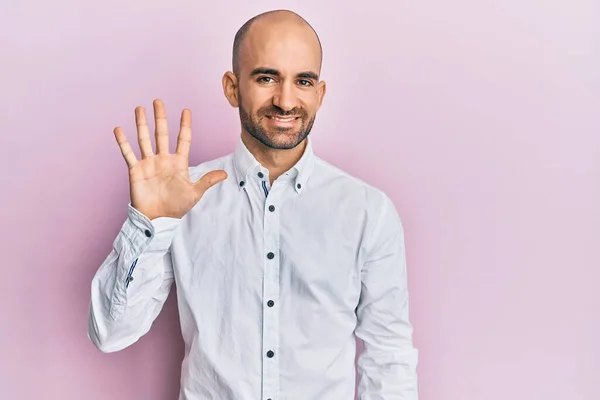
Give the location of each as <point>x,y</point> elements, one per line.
<point>279,91</point>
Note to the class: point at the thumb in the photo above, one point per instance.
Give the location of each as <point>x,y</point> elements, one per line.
<point>208,180</point>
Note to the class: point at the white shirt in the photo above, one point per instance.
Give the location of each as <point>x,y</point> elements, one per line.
<point>273,284</point>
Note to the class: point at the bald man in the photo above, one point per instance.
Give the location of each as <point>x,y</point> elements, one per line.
<point>280,259</point>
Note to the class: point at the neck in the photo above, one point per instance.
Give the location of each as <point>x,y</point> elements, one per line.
<point>275,160</point>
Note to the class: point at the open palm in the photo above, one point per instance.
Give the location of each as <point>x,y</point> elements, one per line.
<point>159,183</point>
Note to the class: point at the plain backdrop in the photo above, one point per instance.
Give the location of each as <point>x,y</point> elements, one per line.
<point>480,119</point>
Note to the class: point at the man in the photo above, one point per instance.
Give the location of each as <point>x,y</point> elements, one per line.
<point>279,258</point>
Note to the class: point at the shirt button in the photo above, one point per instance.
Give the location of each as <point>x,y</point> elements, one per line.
<point>270,256</point>
<point>147,232</point>
<point>270,354</point>
<point>270,303</point>
<point>242,183</point>
<point>298,186</point>
<point>260,175</point>
<point>271,208</point>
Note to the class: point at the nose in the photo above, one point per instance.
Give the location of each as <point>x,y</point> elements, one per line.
<point>284,97</point>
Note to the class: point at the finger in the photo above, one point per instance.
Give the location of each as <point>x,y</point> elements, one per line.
<point>143,132</point>
<point>126,149</point>
<point>208,180</point>
<point>161,128</point>
<point>185,134</point>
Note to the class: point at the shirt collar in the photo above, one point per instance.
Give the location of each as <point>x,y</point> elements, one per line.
<point>246,166</point>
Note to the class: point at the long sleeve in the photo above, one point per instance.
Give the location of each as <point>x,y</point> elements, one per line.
<point>387,366</point>
<point>133,282</point>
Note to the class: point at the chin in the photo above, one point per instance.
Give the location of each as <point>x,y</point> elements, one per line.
<point>283,144</point>
<point>287,138</point>
<point>282,141</point>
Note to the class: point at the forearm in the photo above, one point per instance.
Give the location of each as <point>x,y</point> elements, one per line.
<point>387,367</point>
<point>132,284</point>
<point>387,371</point>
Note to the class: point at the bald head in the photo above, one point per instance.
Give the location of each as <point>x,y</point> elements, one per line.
<point>275,81</point>
<point>268,23</point>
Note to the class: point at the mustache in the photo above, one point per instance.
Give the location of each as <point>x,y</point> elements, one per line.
<point>278,112</point>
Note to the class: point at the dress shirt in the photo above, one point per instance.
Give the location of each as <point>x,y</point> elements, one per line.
<point>274,284</point>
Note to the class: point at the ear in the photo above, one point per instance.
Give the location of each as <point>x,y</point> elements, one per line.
<point>321,89</point>
<point>230,88</point>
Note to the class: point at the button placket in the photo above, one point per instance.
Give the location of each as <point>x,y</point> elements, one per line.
<point>271,296</point>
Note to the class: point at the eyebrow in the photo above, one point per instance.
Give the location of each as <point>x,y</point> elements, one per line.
<point>270,71</point>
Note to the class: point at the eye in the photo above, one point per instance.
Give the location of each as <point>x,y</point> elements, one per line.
<point>265,79</point>
<point>304,82</point>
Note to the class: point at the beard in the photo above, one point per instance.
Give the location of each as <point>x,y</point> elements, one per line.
<point>276,138</point>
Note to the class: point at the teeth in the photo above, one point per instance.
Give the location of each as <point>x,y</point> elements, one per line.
<point>283,119</point>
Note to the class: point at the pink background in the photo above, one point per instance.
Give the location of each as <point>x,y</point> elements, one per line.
<point>480,119</point>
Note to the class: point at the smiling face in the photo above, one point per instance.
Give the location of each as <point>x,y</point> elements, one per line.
<point>277,87</point>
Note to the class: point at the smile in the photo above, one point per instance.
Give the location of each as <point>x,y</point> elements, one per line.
<point>283,119</point>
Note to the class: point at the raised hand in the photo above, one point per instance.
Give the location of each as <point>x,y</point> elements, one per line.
<point>159,184</point>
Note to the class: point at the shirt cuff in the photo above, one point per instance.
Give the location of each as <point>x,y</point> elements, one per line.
<point>141,230</point>
<point>141,235</point>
